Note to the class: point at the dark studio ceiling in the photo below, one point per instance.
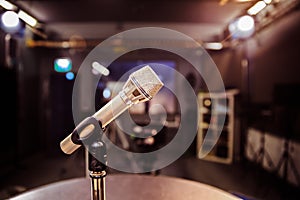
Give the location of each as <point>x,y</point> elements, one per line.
<point>199,11</point>
<point>92,19</point>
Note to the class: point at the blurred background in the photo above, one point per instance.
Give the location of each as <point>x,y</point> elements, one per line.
<point>254,44</point>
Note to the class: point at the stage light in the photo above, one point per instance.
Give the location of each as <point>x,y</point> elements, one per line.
<point>106,93</point>
<point>70,76</point>
<point>27,18</point>
<point>10,19</point>
<point>207,102</point>
<point>256,8</point>
<point>213,45</point>
<point>245,23</point>
<point>7,5</point>
<point>242,27</point>
<point>99,69</point>
<point>268,1</point>
<point>62,65</point>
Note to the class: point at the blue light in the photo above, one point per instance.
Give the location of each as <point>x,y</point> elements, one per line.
<point>106,93</point>
<point>70,76</point>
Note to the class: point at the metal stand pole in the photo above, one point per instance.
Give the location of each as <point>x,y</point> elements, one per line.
<point>97,155</point>
<point>97,151</point>
<point>98,185</point>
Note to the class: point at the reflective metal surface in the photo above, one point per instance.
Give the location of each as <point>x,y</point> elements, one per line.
<point>129,187</point>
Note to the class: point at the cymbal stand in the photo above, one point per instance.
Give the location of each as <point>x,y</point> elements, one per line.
<point>97,155</point>
<point>262,153</point>
<point>287,161</point>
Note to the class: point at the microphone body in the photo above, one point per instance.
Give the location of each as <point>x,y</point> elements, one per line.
<point>111,110</point>
<point>141,86</point>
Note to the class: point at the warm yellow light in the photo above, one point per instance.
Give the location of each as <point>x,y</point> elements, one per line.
<point>207,102</point>
<point>27,18</point>
<point>7,5</point>
<point>256,8</point>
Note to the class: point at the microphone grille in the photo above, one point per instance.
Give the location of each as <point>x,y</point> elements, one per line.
<point>147,81</point>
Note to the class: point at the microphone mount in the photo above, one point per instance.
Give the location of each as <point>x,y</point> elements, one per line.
<point>96,152</point>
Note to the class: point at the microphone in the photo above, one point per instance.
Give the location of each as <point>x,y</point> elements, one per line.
<point>141,86</point>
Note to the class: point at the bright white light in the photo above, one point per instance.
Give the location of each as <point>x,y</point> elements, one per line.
<point>256,8</point>
<point>10,19</point>
<point>63,62</point>
<point>106,93</point>
<point>27,18</point>
<point>242,27</point>
<point>245,23</point>
<point>7,5</point>
<point>100,69</point>
<point>243,0</point>
<point>213,45</point>
<point>267,1</point>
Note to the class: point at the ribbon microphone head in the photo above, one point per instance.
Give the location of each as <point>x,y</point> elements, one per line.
<point>141,86</point>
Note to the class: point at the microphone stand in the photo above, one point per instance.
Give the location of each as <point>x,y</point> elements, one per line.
<point>82,134</point>
<point>97,170</point>
<point>96,153</point>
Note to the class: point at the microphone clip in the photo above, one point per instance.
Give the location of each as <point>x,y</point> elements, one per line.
<point>97,154</point>
<point>93,141</point>
<point>94,135</point>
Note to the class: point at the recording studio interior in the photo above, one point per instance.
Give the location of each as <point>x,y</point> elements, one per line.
<point>150,99</point>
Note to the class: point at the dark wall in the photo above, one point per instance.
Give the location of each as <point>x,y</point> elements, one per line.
<point>228,62</point>
<point>9,106</point>
<point>28,99</point>
<point>274,57</point>
<point>269,84</point>
<point>8,88</point>
<point>274,77</point>
<point>12,144</point>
